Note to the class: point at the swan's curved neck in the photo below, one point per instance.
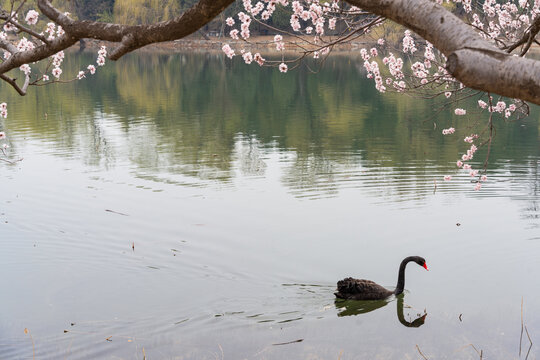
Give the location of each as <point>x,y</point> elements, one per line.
<point>401,275</point>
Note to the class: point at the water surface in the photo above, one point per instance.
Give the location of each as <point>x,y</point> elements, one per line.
<point>202,209</point>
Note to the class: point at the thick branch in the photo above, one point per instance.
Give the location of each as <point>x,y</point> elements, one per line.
<point>135,37</point>
<point>472,60</point>
<point>13,83</point>
<point>130,37</point>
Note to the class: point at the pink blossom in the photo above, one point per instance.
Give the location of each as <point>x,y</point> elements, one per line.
<point>283,67</point>
<point>483,178</point>
<point>58,58</point>
<point>473,173</point>
<point>459,111</point>
<point>447,178</point>
<point>24,44</point>
<point>332,24</point>
<point>248,58</point>
<point>9,27</point>
<point>234,34</point>
<point>32,17</point>
<point>408,43</point>
<point>280,46</point>
<point>228,51</point>
<point>102,51</point>
<point>25,68</point>
<point>466,167</point>
<point>459,163</point>
<point>92,69</point>
<point>80,75</point>
<point>259,59</point>
<point>45,77</point>
<point>230,21</point>
<point>295,22</point>
<point>365,55</point>
<point>57,72</point>
<point>478,186</point>
<point>482,104</point>
<point>448,131</point>
<point>51,28</point>
<point>380,42</point>
<point>2,135</point>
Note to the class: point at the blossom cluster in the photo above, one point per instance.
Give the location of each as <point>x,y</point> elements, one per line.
<point>23,44</point>
<point>3,110</point>
<point>308,17</point>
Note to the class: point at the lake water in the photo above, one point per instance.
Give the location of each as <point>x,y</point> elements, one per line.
<point>187,207</point>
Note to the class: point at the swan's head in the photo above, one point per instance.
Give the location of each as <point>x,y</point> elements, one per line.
<point>421,261</point>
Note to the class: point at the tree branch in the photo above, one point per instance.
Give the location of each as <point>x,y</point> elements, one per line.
<point>13,83</point>
<point>472,60</point>
<point>135,37</point>
<point>528,36</point>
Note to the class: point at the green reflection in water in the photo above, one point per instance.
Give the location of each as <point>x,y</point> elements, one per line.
<point>187,113</point>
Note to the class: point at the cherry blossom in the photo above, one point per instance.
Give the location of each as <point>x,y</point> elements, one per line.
<point>25,68</point>
<point>57,72</point>
<point>228,51</point>
<point>32,17</point>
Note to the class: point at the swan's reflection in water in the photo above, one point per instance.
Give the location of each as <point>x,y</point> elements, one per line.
<point>357,307</point>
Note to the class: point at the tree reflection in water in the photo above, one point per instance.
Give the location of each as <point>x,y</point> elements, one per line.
<point>357,307</point>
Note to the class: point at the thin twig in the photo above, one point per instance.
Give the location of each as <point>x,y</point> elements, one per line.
<point>424,356</point>
<point>26,331</point>
<point>490,124</point>
<point>221,349</point>
<point>480,353</point>
<point>521,335</point>
<point>530,341</point>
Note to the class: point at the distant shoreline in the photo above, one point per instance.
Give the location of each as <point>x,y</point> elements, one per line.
<point>263,44</point>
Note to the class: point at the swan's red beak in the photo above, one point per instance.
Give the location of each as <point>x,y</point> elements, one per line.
<point>425,267</point>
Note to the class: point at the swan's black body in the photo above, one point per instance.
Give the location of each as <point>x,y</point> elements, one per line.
<point>359,289</point>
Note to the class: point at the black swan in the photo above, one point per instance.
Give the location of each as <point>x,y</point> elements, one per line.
<point>359,289</point>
